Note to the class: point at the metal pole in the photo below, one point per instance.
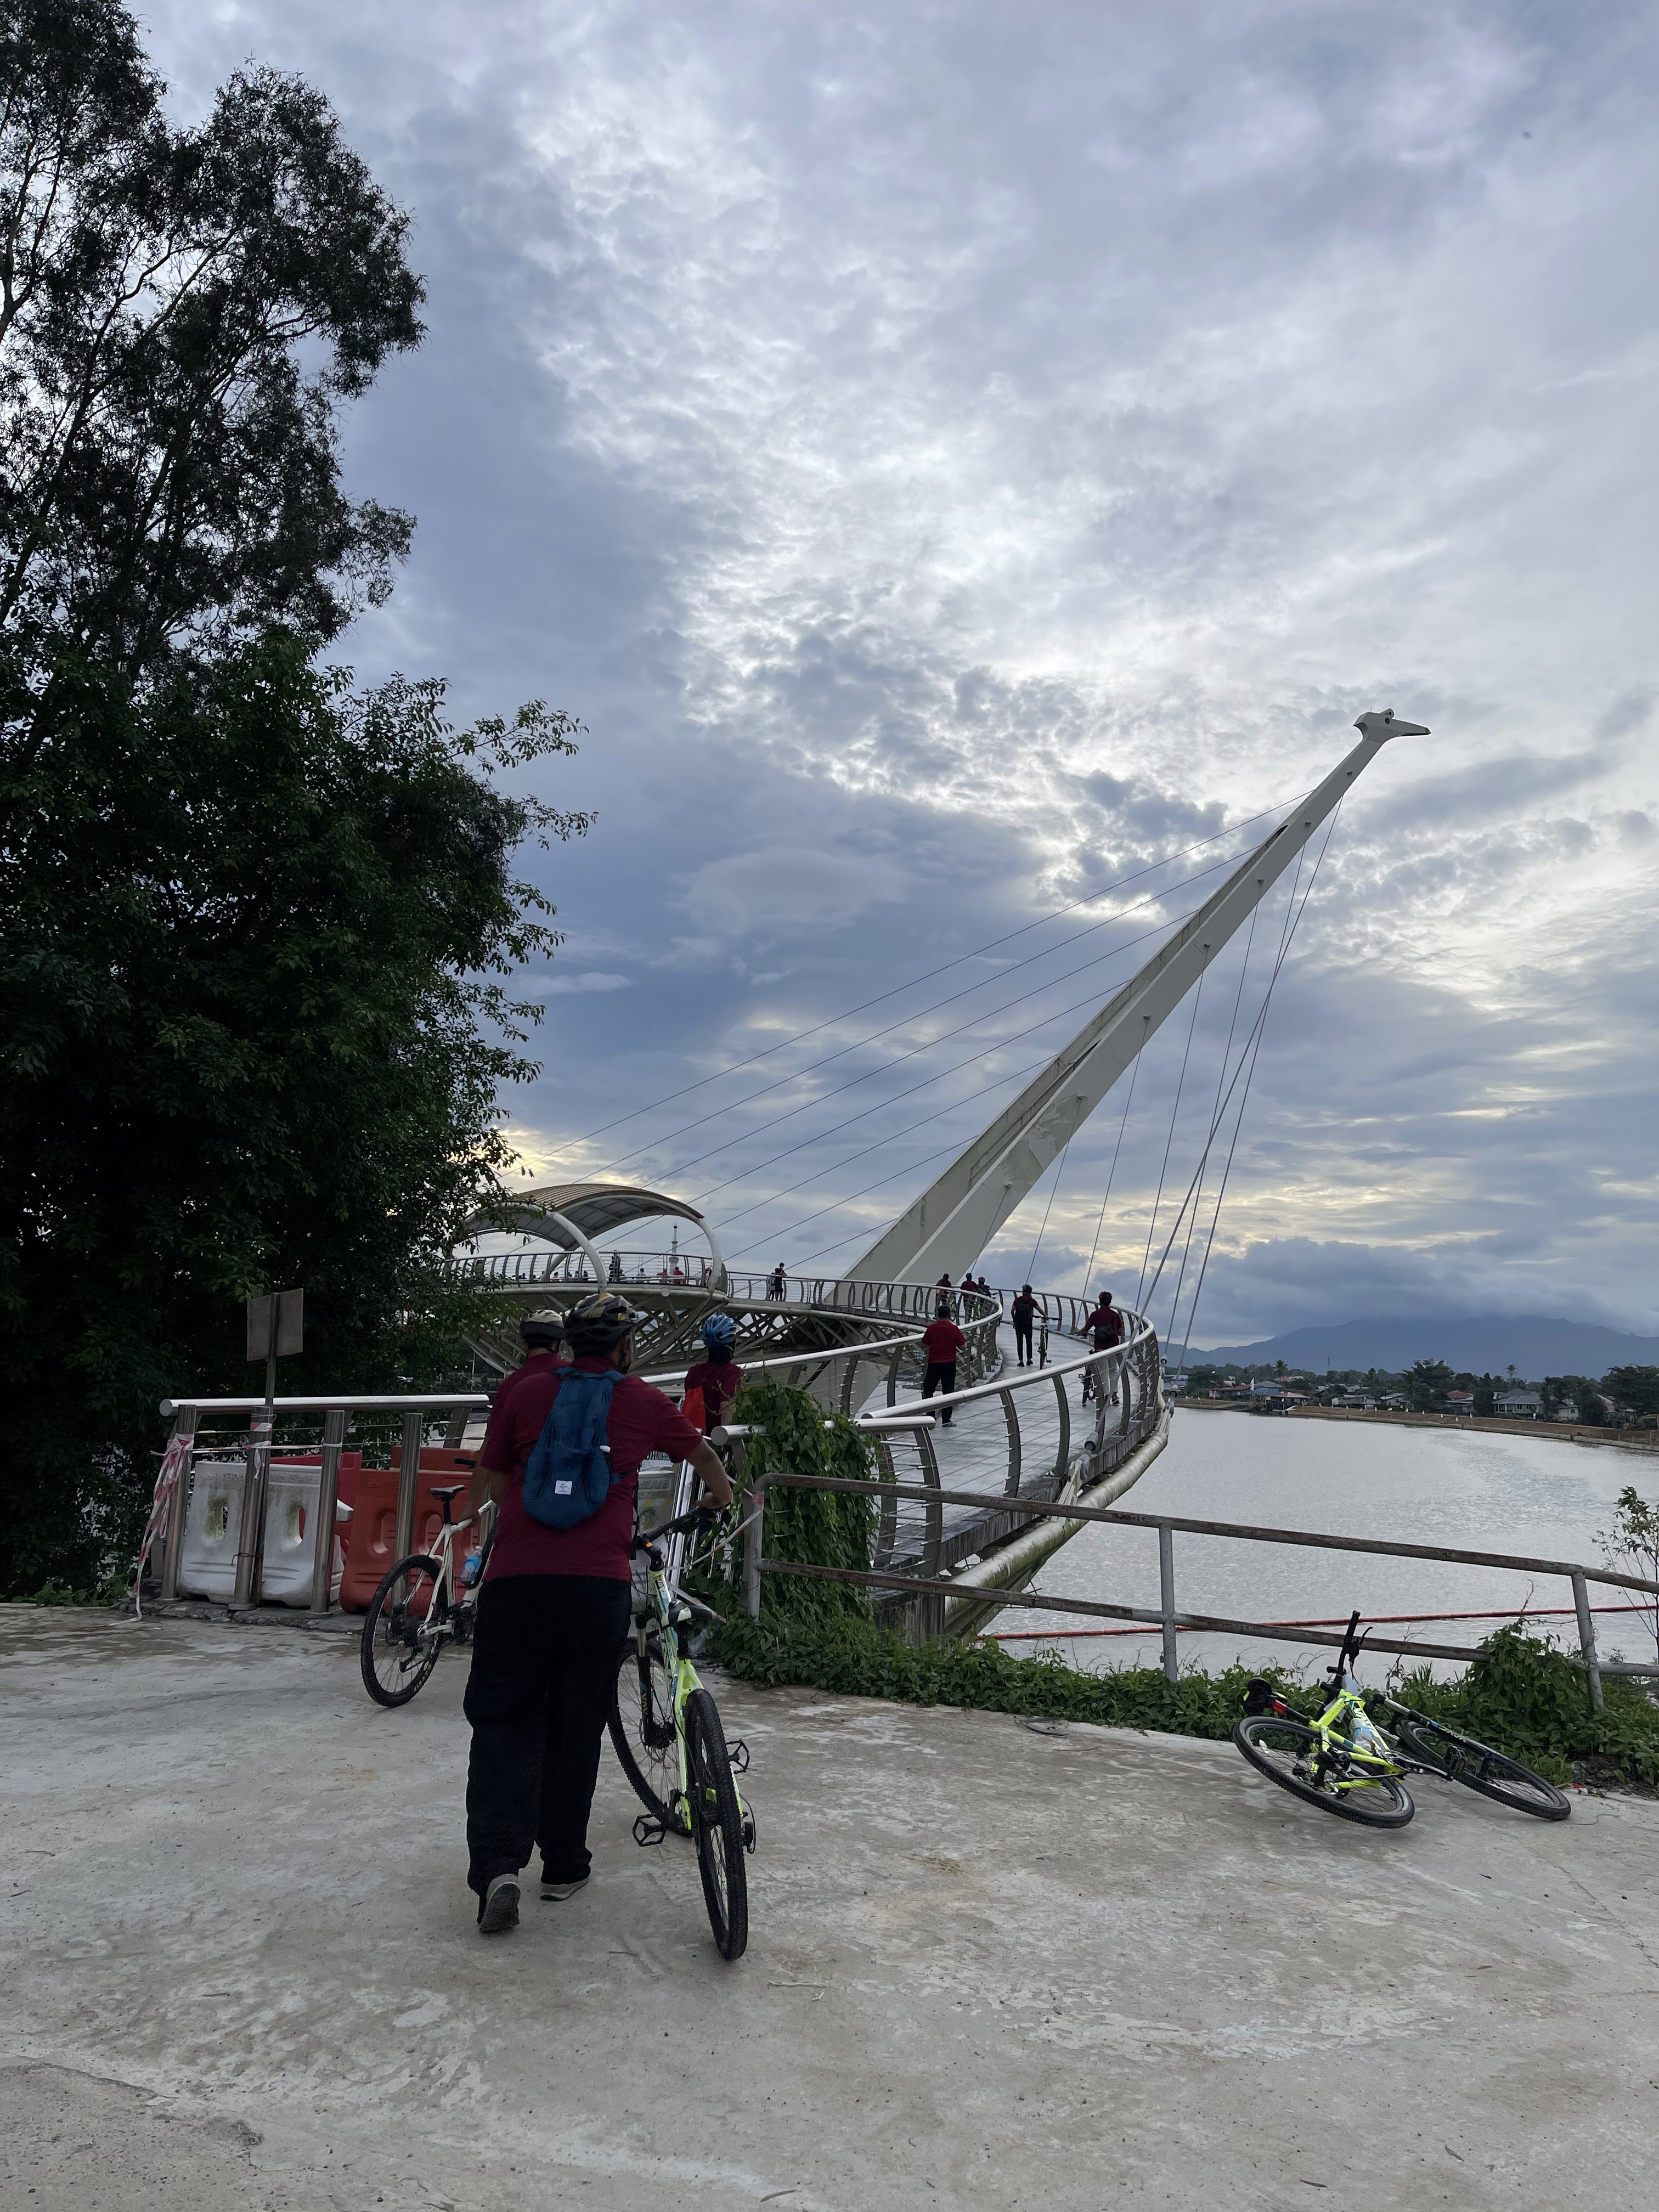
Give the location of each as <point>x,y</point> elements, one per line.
<point>755,1513</point>
<point>1166,1595</point>
<point>1587,1639</point>
<point>328,1490</point>
<point>409,1483</point>
<point>184,1424</point>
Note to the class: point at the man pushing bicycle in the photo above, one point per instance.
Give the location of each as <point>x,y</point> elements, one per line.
<point>562,1454</point>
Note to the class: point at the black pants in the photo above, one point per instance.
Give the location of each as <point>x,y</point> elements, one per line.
<point>1022,1341</point>
<point>941,1375</point>
<point>544,1656</point>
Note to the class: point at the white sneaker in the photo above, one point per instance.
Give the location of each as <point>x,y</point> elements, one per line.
<point>558,1891</point>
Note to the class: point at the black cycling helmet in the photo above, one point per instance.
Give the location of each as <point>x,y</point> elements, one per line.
<point>542,1328</point>
<point>599,1323</point>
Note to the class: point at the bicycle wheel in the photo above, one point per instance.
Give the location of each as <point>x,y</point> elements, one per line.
<point>1284,1751</point>
<point>717,1820</point>
<point>1461,1759</point>
<point>642,1723</point>
<point>400,1648</point>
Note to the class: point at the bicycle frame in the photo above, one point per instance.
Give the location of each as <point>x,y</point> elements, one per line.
<point>1353,1752</point>
<point>672,1615</point>
<point>448,1601</point>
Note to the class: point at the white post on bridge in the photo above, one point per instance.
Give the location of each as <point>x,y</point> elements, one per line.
<point>947,1229</point>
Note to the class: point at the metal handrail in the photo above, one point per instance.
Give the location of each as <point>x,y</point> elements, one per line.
<point>1167,1617</point>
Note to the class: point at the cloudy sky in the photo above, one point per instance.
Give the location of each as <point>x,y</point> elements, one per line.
<point>957,458</point>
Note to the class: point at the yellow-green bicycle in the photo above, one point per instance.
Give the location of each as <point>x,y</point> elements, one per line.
<point>1345,1763</point>
<point>667,1734</point>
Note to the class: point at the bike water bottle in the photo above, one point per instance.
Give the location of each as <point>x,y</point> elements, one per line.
<point>470,1566</point>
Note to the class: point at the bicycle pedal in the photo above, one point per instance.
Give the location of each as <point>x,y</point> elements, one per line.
<point>649,1830</point>
<point>737,1751</point>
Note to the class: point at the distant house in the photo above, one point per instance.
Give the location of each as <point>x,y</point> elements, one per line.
<point>1356,1400</point>
<point>1393,1401</point>
<point>1460,1401</point>
<point>1519,1405</point>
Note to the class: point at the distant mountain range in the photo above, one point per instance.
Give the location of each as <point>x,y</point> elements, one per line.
<point>1483,1344</point>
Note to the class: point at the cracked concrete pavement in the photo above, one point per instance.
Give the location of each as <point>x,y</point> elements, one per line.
<point>993,1964</point>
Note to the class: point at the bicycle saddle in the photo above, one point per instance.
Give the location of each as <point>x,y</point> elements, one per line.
<point>451,1489</point>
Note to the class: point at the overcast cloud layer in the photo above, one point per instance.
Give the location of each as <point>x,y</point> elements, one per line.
<point>953,457</point>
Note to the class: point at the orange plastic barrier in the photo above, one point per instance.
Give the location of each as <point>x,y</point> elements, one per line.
<point>371,1547</point>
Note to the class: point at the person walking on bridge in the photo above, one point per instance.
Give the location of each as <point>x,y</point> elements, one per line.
<point>554,1609</point>
<point>1023,1313</point>
<point>1105,1327</point>
<point>716,1374</point>
<point>942,1341</point>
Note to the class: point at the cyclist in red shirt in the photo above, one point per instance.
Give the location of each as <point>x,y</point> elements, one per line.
<point>718,1376</point>
<point>942,1341</point>
<point>1105,1327</point>
<point>553,1614</point>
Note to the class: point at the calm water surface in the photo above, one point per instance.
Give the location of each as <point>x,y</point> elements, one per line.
<point>1540,1497</point>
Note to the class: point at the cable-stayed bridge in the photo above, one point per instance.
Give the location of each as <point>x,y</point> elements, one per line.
<point>854,1338</point>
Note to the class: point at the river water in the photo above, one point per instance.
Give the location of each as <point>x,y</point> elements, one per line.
<point>1539,1497</point>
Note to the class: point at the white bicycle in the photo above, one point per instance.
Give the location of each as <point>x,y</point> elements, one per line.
<point>421,1605</point>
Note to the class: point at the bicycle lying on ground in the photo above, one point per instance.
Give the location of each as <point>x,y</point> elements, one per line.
<point>667,1734</point>
<point>1345,1763</point>
<point>421,1605</point>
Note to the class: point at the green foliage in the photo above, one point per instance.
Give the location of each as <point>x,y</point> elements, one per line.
<point>1637,1388</point>
<point>1427,1383</point>
<point>252,1028</point>
<point>817,1528</point>
<point>183,310</point>
<point>855,1659</point>
<point>1522,1696</point>
<point>254,932</point>
<point>1630,1547</point>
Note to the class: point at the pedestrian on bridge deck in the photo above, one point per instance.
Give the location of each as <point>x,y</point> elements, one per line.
<point>1105,1327</point>
<point>1023,1313</point>
<point>942,1341</point>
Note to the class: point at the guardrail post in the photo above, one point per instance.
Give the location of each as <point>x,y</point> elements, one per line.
<point>1166,1595</point>
<point>409,1484</point>
<point>755,1514</point>
<point>172,1546</point>
<point>1587,1639</point>
<point>328,1492</point>
<point>250,1540</point>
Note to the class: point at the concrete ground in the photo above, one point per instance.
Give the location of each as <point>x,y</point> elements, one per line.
<point>992,1965</point>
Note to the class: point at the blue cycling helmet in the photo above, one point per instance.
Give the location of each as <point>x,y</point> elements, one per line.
<point>719,1332</point>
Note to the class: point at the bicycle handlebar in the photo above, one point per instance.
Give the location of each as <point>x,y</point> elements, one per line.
<point>683,1524</point>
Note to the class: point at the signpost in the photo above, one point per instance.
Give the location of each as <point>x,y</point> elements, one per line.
<point>276,1330</point>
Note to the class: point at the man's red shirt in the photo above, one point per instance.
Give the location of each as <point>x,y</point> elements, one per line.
<point>640,1421</point>
<point>719,1381</point>
<point>1106,1323</point>
<point>944,1340</point>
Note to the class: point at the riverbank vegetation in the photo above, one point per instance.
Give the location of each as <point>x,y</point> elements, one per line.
<point>256,926</point>
<point>1522,1696</point>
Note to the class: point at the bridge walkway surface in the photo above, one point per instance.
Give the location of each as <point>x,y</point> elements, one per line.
<point>992,1965</point>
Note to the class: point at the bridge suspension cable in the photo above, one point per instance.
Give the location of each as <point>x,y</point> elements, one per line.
<point>975,952</point>
<point>909,1021</point>
<point>950,1223</point>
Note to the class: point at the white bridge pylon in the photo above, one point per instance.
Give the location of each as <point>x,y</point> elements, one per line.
<point>947,1229</point>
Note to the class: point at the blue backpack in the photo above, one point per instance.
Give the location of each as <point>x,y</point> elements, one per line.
<point>567,1477</point>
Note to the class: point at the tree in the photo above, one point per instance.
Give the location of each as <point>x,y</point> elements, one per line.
<point>253,938</point>
<point>1636,1388</point>
<point>255,932</point>
<point>1632,1546</point>
<point>167,465</point>
<point>1485,1397</point>
<point>1427,1383</point>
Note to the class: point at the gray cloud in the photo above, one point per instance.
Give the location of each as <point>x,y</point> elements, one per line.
<point>950,463</point>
